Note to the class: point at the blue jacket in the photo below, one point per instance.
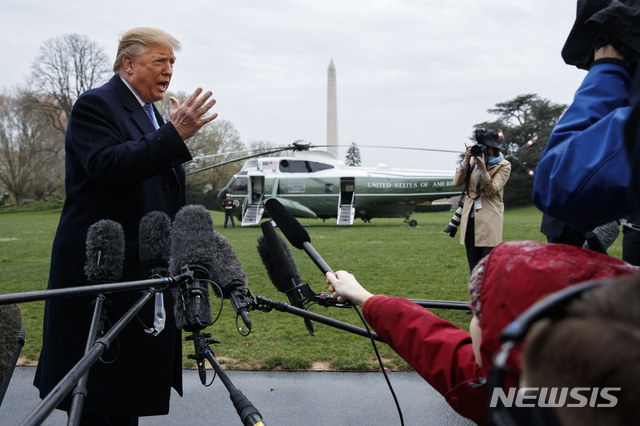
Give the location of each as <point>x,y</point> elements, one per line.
<point>584,173</point>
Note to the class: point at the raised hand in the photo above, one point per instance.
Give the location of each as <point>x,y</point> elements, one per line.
<point>189,117</point>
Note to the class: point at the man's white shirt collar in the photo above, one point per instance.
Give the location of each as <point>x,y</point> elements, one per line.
<point>132,90</point>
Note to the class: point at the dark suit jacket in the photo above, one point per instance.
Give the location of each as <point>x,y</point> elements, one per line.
<point>118,167</point>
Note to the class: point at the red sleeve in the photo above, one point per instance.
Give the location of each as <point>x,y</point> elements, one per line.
<point>438,350</point>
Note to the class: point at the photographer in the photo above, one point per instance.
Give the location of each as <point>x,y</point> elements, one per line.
<point>484,172</point>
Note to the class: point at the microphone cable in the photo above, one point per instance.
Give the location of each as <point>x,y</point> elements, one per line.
<point>384,373</point>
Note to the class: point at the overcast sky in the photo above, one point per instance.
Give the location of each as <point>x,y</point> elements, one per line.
<point>409,73</point>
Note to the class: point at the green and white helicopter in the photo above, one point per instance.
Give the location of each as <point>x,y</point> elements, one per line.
<point>315,184</point>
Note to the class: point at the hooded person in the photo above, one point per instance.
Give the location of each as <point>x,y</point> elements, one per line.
<point>504,284</point>
<point>589,172</point>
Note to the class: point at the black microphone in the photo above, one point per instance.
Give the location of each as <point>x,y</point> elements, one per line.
<point>11,342</point>
<point>601,238</point>
<point>105,252</point>
<point>281,267</point>
<point>154,244</point>
<point>192,250</point>
<point>295,233</point>
<point>230,276</point>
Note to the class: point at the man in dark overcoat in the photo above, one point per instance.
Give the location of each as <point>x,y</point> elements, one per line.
<point>121,163</point>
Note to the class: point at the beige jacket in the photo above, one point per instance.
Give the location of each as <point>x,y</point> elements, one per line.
<point>488,220</point>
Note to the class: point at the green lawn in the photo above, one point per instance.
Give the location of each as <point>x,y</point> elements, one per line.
<point>387,256</point>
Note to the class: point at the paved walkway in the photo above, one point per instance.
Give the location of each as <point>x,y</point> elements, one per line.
<point>301,398</point>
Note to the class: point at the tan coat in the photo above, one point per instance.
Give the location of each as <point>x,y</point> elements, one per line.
<point>488,220</point>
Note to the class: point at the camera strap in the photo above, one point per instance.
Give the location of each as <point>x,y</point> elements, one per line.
<point>466,184</point>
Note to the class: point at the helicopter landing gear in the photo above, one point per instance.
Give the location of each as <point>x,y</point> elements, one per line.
<point>365,219</point>
<point>413,223</point>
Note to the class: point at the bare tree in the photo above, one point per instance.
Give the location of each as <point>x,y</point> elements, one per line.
<point>29,160</point>
<point>219,138</point>
<point>263,146</point>
<point>216,142</point>
<point>66,66</point>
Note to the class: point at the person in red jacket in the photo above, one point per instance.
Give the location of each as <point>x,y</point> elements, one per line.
<point>505,283</point>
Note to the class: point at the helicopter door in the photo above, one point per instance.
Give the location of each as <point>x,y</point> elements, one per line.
<point>254,208</point>
<point>346,211</point>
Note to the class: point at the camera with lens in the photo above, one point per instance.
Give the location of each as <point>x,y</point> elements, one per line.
<point>479,149</point>
<point>452,227</point>
<point>485,138</point>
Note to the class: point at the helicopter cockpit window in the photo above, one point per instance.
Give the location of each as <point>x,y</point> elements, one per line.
<point>240,184</point>
<point>300,166</point>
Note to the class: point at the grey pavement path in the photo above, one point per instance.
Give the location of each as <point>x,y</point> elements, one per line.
<point>302,398</point>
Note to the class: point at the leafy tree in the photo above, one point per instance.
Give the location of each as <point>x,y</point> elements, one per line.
<point>30,159</point>
<point>353,156</point>
<point>522,119</point>
<point>65,67</point>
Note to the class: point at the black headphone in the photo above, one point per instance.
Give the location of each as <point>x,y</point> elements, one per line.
<point>554,307</point>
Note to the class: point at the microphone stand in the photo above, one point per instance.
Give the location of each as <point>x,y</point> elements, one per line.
<point>80,391</point>
<point>323,299</point>
<point>89,290</point>
<point>261,303</point>
<point>249,415</point>
<point>57,394</point>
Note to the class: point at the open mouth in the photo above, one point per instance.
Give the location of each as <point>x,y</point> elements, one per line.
<point>163,86</point>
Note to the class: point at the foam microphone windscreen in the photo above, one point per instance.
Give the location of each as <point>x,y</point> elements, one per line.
<point>154,239</point>
<point>280,271</point>
<point>606,234</point>
<point>105,252</point>
<point>227,268</point>
<point>192,244</point>
<point>192,239</point>
<point>288,224</point>
<point>10,325</point>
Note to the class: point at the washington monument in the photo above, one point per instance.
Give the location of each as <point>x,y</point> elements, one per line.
<point>332,111</point>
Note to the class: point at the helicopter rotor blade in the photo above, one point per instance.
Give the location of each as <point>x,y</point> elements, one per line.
<point>392,147</point>
<point>297,146</point>
<point>238,159</point>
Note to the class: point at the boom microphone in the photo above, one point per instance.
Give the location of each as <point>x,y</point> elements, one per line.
<point>192,249</point>
<point>230,276</point>
<point>281,267</point>
<point>601,238</point>
<point>154,243</point>
<point>105,252</point>
<point>277,259</point>
<point>295,233</point>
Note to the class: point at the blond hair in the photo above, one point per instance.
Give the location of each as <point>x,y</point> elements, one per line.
<point>136,41</point>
